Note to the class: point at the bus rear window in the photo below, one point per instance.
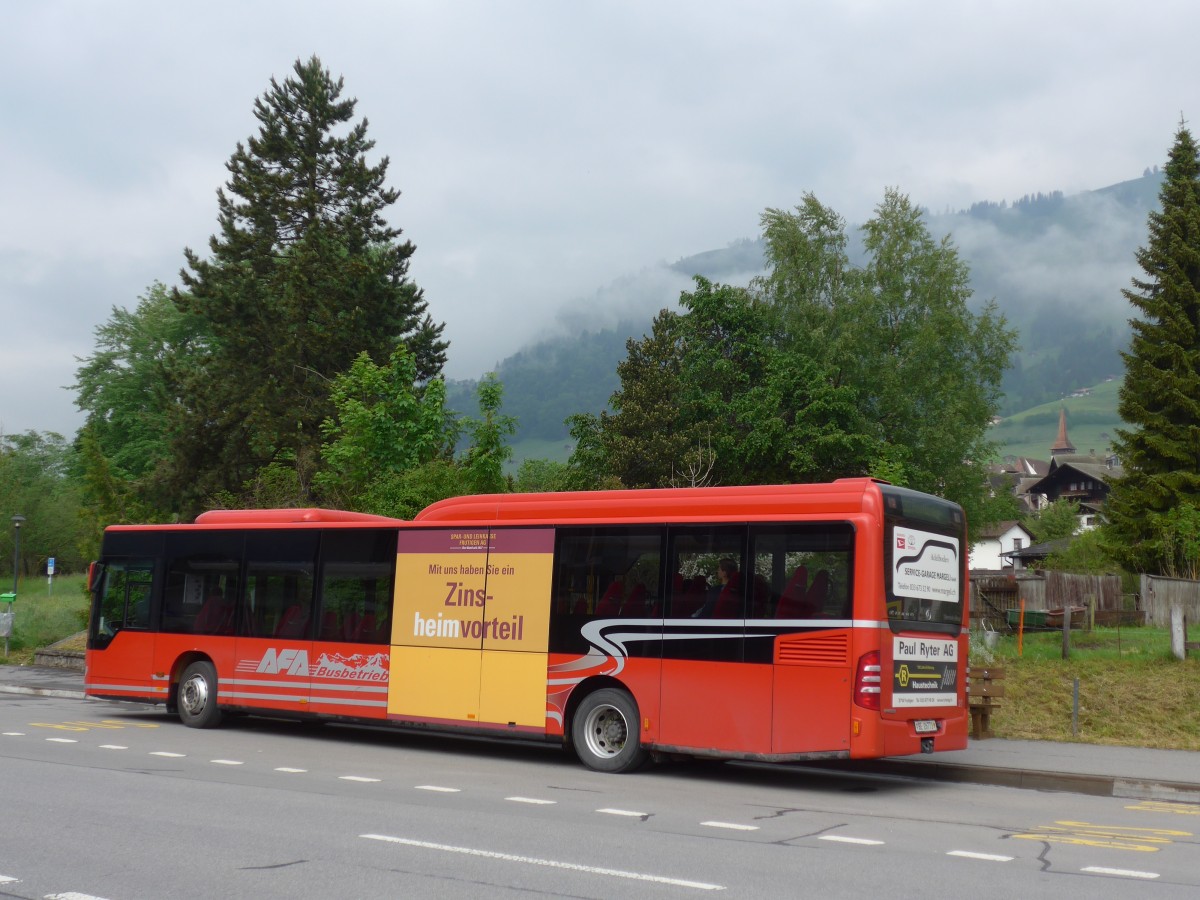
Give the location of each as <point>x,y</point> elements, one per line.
<point>923,569</point>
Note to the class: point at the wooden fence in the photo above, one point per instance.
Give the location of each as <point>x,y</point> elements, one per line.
<point>1159,594</point>
<point>994,594</point>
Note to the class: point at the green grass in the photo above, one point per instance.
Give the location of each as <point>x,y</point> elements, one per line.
<point>1132,691</point>
<point>1112,644</point>
<point>45,614</point>
<point>1091,424</point>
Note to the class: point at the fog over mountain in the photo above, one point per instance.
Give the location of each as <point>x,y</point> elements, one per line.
<point>1054,264</point>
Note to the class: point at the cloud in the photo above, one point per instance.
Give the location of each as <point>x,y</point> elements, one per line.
<point>544,150</point>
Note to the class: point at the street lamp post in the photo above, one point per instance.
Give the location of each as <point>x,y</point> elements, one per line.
<point>18,520</point>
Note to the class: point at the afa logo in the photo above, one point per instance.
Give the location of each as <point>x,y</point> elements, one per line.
<point>332,665</point>
<point>283,662</point>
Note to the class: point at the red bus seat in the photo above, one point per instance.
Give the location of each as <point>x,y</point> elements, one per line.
<point>215,617</point>
<point>610,603</point>
<point>292,622</point>
<point>793,603</point>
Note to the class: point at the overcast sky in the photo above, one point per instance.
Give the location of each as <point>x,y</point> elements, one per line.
<point>545,149</point>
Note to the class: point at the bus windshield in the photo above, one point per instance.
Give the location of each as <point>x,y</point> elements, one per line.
<point>923,568</point>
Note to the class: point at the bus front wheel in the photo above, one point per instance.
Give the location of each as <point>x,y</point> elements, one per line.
<point>606,732</point>
<point>197,696</point>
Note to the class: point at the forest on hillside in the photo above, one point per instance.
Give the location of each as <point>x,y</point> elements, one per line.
<point>1054,264</point>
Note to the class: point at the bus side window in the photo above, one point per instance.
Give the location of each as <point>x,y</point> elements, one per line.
<point>612,573</point>
<point>126,599</point>
<point>356,570</point>
<point>809,567</point>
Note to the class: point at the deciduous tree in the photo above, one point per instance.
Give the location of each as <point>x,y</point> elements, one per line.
<point>483,464</point>
<point>35,482</point>
<point>711,396</point>
<point>925,369</point>
<point>128,390</point>
<point>1058,520</point>
<point>384,426</point>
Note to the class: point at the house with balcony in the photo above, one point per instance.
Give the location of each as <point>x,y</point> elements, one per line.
<point>1083,480</point>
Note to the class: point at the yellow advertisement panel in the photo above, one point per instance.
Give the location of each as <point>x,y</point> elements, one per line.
<point>466,591</point>
<point>474,588</point>
<point>513,689</point>
<point>434,683</point>
<point>519,573</point>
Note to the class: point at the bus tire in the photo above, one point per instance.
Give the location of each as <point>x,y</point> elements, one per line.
<point>606,732</point>
<point>196,697</point>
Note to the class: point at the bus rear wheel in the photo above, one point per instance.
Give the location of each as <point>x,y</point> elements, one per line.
<point>606,732</point>
<point>196,697</point>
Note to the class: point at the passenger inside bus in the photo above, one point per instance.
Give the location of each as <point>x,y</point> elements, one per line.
<point>725,597</point>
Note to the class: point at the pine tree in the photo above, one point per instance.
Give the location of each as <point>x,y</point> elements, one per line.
<point>1160,398</point>
<point>304,275</point>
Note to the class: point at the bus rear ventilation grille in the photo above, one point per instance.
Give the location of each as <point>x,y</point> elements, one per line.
<point>822,650</point>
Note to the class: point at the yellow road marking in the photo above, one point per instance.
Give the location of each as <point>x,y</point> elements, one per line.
<point>1114,837</point>
<point>61,727</point>
<point>88,726</point>
<point>1167,806</point>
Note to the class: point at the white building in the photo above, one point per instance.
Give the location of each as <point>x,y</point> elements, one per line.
<point>1004,537</point>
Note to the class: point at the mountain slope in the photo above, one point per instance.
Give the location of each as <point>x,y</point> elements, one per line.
<point>1055,266</point>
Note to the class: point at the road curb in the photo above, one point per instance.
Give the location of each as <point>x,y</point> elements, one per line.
<point>1067,782</point>
<point>42,692</point>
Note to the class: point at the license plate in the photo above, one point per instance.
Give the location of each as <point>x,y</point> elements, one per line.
<point>925,726</point>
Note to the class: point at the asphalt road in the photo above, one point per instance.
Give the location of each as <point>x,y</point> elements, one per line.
<point>117,801</point>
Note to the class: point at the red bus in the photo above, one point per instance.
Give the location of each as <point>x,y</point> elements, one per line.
<point>779,623</point>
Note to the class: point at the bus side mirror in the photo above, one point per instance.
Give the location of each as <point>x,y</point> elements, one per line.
<point>95,570</point>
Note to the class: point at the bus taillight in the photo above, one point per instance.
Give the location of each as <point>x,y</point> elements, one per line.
<point>868,681</point>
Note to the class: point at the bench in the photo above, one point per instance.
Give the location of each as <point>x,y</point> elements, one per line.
<point>984,693</point>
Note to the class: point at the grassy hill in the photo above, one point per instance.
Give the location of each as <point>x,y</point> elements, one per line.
<point>1092,421</point>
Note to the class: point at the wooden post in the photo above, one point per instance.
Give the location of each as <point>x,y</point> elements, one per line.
<point>1020,625</point>
<point>1178,650</point>
<point>1066,650</point>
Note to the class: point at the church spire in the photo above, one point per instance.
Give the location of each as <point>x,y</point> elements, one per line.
<point>1062,446</point>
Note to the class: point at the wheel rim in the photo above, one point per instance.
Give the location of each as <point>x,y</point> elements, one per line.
<point>607,731</point>
<point>193,695</point>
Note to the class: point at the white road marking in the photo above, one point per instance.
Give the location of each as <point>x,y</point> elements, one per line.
<point>438,788</point>
<point>533,800</point>
<point>841,839</point>
<point>72,895</point>
<point>113,747</point>
<point>168,754</point>
<point>731,825</point>
<point>14,734</point>
<point>226,762</point>
<point>291,771</point>
<point>62,740</point>
<point>1123,873</point>
<point>549,863</point>
<point>623,812</point>
<point>987,857</point>
<point>8,879</point>
<point>361,778</point>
